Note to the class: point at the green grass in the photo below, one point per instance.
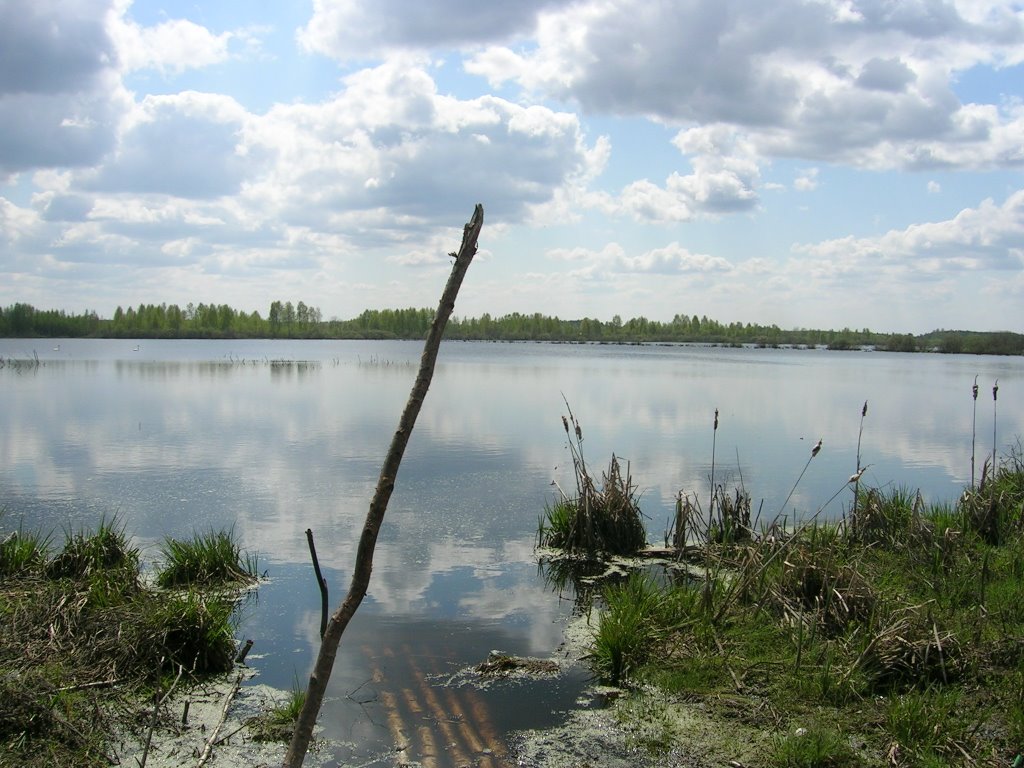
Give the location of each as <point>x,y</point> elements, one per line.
<point>22,553</point>
<point>603,517</point>
<point>925,724</point>
<point>899,631</point>
<point>207,559</point>
<point>813,746</point>
<point>192,630</point>
<point>83,642</point>
<point>626,630</point>
<point>85,553</point>
<point>278,723</point>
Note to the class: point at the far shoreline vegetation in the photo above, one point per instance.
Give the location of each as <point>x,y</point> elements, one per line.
<point>285,320</point>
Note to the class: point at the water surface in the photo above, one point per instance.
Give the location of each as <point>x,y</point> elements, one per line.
<point>274,437</point>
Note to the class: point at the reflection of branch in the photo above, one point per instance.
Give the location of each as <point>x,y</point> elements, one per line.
<point>350,694</point>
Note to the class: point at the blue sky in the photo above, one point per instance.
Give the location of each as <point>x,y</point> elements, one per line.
<point>809,163</point>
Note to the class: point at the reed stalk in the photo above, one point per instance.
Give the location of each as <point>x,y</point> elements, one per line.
<point>974,426</point>
<point>856,475</point>
<point>814,452</point>
<point>995,397</point>
<point>714,438</point>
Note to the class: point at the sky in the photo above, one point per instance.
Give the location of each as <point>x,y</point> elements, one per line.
<point>804,163</point>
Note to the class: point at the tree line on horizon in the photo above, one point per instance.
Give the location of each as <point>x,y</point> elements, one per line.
<point>303,321</point>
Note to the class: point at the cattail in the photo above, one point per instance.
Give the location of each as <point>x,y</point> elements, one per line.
<point>995,396</point>
<point>565,424</point>
<point>974,426</point>
<point>816,449</point>
<point>714,439</point>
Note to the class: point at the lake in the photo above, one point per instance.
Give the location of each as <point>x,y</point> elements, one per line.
<point>274,437</point>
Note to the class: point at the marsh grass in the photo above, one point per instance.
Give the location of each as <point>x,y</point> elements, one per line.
<point>87,553</point>
<point>277,723</point>
<point>83,643</point>
<point>813,746</point>
<point>22,552</point>
<point>925,725</point>
<point>603,517</point>
<point>193,631</point>
<point>627,629</point>
<point>207,559</point>
<point>898,626</point>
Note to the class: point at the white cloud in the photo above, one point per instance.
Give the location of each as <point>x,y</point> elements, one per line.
<point>387,162</point>
<point>989,237</point>
<point>868,84</point>
<point>353,29</point>
<point>672,259</point>
<point>169,47</point>
<point>725,178</point>
<point>60,98</point>
<point>183,145</point>
<point>806,181</point>
<point>389,141</point>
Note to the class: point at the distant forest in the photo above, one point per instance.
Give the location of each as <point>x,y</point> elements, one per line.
<point>301,321</point>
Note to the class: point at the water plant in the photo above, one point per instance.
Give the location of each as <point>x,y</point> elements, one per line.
<point>88,552</point>
<point>190,630</point>
<point>83,643</point>
<point>602,518</point>
<point>898,626</point>
<point>626,629</point>
<point>278,722</point>
<point>23,552</point>
<point>210,558</point>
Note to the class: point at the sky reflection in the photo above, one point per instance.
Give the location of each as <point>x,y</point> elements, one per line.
<point>186,436</point>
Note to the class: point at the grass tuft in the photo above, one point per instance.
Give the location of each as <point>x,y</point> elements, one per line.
<point>81,639</point>
<point>85,553</point>
<point>23,553</point>
<point>207,559</point>
<point>814,746</point>
<point>278,723</point>
<point>603,518</point>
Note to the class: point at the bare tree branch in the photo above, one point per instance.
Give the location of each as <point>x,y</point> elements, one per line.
<point>303,733</point>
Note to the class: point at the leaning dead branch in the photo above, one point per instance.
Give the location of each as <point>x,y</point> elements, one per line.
<point>339,620</point>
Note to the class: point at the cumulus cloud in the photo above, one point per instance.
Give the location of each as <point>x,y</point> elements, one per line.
<point>388,141</point>
<point>60,97</point>
<point>725,177</point>
<point>672,259</point>
<point>867,83</point>
<point>353,29</point>
<point>169,47</point>
<point>989,237</point>
<point>387,161</point>
<point>184,145</point>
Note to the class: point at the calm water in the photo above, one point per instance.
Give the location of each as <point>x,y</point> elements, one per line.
<point>277,437</point>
